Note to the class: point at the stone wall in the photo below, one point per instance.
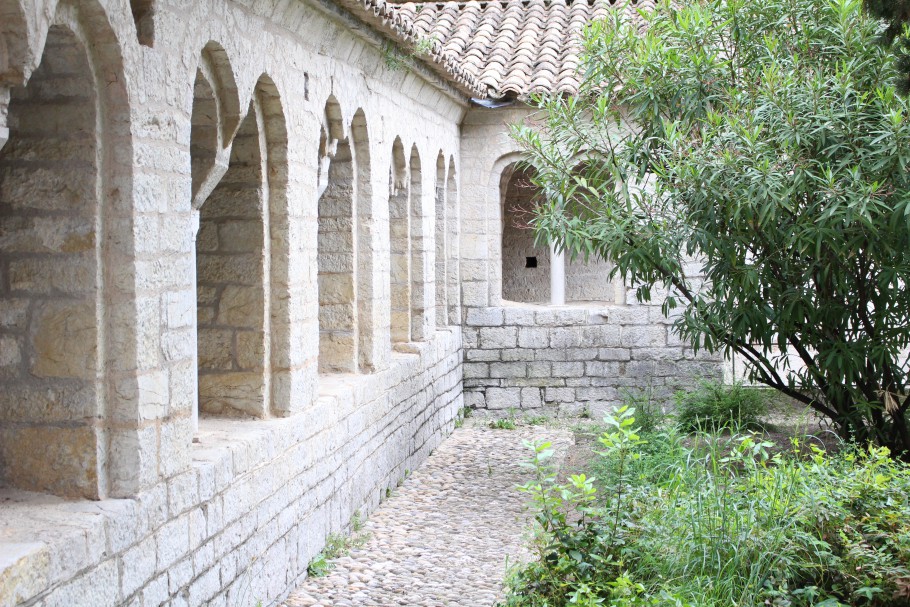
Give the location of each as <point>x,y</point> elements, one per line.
<point>163,253</point>
<point>197,217</point>
<point>243,522</point>
<point>571,360</point>
<point>586,281</point>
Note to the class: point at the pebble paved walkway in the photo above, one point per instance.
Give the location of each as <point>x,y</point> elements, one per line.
<point>445,536</point>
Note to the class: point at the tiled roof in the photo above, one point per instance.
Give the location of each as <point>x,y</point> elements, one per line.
<point>510,47</point>
<point>399,27</point>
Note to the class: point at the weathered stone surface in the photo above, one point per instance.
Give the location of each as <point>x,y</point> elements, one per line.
<point>567,349</point>
<point>64,340</point>
<point>23,571</point>
<point>447,534</point>
<point>189,226</point>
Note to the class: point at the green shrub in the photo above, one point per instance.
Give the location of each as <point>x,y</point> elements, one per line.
<point>718,521</point>
<point>649,413</point>
<point>503,423</point>
<point>714,406</point>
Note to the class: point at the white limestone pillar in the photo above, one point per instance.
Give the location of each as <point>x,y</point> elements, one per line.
<point>4,112</point>
<point>194,222</point>
<point>557,277</point>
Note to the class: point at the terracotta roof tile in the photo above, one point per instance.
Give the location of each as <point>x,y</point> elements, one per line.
<point>513,47</point>
<point>403,28</point>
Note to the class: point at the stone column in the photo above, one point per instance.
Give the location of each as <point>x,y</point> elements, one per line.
<point>557,277</point>
<point>195,227</point>
<point>4,106</point>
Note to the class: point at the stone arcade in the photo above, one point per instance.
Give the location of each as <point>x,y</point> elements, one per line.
<point>255,255</point>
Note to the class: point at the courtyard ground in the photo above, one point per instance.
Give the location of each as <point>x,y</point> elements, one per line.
<point>446,536</point>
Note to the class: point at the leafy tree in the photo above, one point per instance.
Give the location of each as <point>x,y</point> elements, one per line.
<point>896,13</point>
<point>766,142</point>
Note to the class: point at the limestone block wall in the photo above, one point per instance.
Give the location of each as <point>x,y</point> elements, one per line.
<point>566,358</point>
<point>49,333</point>
<point>586,281</point>
<point>243,522</point>
<point>161,253</point>
<point>574,359</point>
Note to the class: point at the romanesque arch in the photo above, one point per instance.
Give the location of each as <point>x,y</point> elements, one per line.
<point>214,120</point>
<point>339,334</point>
<point>525,264</point>
<point>399,246</point>
<point>421,297</point>
<point>61,217</point>
<point>453,238</point>
<point>144,18</point>
<point>241,267</point>
<point>442,312</point>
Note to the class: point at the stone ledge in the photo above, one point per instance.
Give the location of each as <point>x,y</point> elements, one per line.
<point>253,485</point>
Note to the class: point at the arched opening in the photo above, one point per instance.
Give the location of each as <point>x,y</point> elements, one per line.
<point>399,247</point>
<point>525,264</point>
<point>421,297</point>
<point>232,270</point>
<point>345,262</point>
<point>531,273</point>
<point>442,311</point>
<point>51,328</point>
<point>453,256</point>
<point>14,45</point>
<point>144,18</point>
<point>338,336</point>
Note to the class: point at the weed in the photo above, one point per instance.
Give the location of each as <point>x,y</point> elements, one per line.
<point>536,420</point>
<point>717,519</point>
<point>392,56</point>
<point>424,46</point>
<point>714,406</point>
<point>463,414</point>
<point>649,413</point>
<point>503,423</point>
<point>337,545</point>
<point>319,566</point>
<point>397,59</point>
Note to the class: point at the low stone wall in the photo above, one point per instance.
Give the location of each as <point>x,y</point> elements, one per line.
<point>243,523</point>
<point>574,359</point>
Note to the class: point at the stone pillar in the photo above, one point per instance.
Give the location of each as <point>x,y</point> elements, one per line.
<point>195,223</point>
<point>557,276</point>
<point>4,106</point>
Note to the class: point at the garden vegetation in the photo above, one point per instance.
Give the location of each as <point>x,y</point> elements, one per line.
<point>746,163</point>
<point>717,520</point>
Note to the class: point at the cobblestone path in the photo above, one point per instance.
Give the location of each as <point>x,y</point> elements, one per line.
<point>445,536</point>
